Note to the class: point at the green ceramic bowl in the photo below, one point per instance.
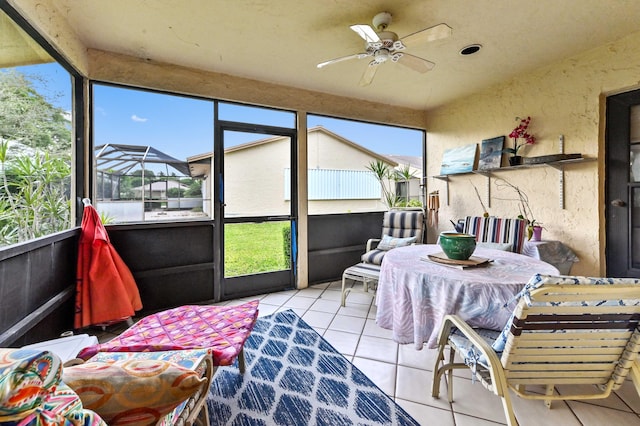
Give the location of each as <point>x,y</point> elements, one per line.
<point>456,245</point>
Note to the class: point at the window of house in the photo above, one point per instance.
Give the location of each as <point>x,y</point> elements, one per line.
<point>35,139</point>
<point>356,166</point>
<point>402,191</point>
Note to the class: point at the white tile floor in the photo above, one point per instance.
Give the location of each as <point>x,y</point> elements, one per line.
<point>405,374</point>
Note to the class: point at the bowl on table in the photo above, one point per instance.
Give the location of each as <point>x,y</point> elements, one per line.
<point>457,245</point>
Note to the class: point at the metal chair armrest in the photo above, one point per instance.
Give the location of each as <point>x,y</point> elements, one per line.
<point>371,242</point>
<point>495,366</point>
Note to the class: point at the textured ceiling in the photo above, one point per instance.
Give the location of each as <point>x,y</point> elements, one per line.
<point>281,41</point>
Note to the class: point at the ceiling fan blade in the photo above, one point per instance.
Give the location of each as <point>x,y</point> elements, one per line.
<point>436,32</point>
<point>369,73</point>
<point>413,62</point>
<point>366,32</point>
<point>343,58</point>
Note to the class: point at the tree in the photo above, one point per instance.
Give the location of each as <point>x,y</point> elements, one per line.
<point>388,177</point>
<point>28,119</point>
<point>384,173</point>
<point>35,162</point>
<point>195,189</point>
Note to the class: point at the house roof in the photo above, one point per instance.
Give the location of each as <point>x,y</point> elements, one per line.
<point>204,158</point>
<point>413,161</point>
<point>281,42</point>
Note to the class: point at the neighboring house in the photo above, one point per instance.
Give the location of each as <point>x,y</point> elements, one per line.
<point>339,180</point>
<point>410,189</point>
<point>157,190</point>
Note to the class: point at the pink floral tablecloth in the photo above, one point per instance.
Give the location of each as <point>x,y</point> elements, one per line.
<point>414,295</point>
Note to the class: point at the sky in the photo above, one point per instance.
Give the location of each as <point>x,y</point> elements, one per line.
<point>182,127</point>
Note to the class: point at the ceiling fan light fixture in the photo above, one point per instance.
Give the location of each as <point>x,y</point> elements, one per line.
<point>381,21</point>
<point>470,49</point>
<point>383,46</point>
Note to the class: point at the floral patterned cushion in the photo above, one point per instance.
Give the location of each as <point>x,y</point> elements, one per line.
<point>31,393</point>
<point>27,377</point>
<point>134,390</point>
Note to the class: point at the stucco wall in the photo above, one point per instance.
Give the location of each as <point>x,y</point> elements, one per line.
<point>254,179</point>
<point>326,152</point>
<point>565,98</point>
<point>261,192</point>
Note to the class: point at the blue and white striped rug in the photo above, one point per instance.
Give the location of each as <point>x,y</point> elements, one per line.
<point>295,377</point>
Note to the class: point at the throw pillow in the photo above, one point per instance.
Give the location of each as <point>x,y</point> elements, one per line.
<point>389,242</point>
<point>495,246</point>
<point>27,377</point>
<point>139,391</point>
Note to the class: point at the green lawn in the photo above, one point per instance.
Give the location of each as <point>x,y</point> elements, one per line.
<point>254,247</point>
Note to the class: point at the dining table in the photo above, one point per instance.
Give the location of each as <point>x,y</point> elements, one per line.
<point>415,294</point>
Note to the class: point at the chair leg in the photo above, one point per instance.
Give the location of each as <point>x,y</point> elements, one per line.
<point>203,416</point>
<point>549,392</point>
<point>508,409</point>
<point>344,292</point>
<point>635,374</point>
<point>437,373</point>
<point>452,354</point>
<point>241,362</point>
<point>446,367</point>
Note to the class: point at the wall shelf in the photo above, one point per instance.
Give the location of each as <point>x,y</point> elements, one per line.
<point>558,165</point>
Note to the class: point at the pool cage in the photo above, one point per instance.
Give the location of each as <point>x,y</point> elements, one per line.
<point>133,181</point>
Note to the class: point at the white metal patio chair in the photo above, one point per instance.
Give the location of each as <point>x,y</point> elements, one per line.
<point>563,331</point>
<point>399,228</point>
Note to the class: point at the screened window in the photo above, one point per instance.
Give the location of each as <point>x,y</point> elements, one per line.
<point>35,139</point>
<point>355,166</point>
<point>153,155</point>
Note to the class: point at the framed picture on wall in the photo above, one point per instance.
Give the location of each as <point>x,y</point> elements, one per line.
<point>491,153</point>
<point>459,160</point>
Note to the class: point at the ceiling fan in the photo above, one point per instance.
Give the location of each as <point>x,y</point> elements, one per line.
<point>385,46</point>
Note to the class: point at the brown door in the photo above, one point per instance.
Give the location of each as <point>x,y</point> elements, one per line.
<point>622,188</point>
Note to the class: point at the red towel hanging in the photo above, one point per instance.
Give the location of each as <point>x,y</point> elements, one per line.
<point>106,291</point>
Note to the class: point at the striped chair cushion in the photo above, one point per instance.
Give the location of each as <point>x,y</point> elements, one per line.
<point>497,230</point>
<point>397,224</point>
<point>374,256</point>
<point>403,224</point>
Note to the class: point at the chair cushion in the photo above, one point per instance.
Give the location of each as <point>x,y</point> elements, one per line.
<point>223,329</point>
<point>31,391</point>
<point>132,390</point>
<point>388,242</point>
<point>496,246</point>
<point>192,359</point>
<point>374,256</point>
<point>540,280</point>
<point>403,224</point>
<point>64,404</point>
<point>497,230</point>
<point>467,350</point>
<point>27,377</point>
